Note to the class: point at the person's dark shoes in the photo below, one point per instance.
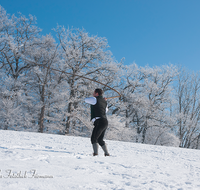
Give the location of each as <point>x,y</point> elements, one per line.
<point>94,154</point>
<point>107,154</point>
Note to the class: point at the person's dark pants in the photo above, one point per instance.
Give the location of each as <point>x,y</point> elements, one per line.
<point>100,126</point>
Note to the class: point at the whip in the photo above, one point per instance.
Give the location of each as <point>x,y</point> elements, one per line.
<point>80,77</point>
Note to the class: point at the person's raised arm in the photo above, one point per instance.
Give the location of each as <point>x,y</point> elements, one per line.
<point>91,100</point>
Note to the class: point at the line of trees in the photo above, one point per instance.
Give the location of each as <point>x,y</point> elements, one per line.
<point>159,105</point>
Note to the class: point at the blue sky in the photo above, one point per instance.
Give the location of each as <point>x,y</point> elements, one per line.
<point>153,32</point>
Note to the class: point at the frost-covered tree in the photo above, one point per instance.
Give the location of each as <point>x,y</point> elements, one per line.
<point>83,55</point>
<point>16,38</point>
<point>13,104</point>
<point>15,33</point>
<point>146,98</point>
<point>44,84</point>
<point>187,109</point>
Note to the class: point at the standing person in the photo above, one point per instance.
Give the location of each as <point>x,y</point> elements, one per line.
<point>99,119</point>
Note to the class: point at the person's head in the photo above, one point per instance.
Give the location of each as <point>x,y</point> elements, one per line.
<point>98,92</point>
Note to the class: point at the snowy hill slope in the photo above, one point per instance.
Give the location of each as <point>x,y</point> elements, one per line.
<point>33,161</point>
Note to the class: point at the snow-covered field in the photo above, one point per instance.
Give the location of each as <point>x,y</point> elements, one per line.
<point>33,161</point>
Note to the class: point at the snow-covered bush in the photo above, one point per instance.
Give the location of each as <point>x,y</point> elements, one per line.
<point>117,130</point>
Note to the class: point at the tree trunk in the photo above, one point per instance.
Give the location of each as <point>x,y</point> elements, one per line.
<point>6,126</point>
<point>72,94</point>
<point>144,131</point>
<point>198,141</point>
<point>41,121</point>
<point>67,126</point>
